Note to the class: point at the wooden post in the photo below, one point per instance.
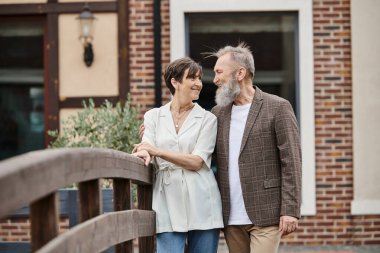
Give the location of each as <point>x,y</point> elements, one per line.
<point>90,200</point>
<point>122,201</point>
<point>44,220</point>
<point>146,244</point>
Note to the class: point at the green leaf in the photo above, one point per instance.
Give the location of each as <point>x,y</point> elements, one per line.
<point>115,127</point>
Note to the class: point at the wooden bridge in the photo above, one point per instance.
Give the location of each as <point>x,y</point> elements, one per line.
<point>34,178</point>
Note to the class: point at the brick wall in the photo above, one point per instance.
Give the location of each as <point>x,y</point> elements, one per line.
<point>18,229</point>
<point>333,223</point>
<point>142,51</point>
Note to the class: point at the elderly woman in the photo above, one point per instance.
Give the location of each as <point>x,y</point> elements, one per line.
<point>179,139</point>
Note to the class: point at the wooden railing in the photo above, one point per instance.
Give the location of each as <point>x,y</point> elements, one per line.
<point>34,178</point>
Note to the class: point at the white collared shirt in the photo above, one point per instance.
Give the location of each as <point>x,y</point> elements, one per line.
<point>182,199</point>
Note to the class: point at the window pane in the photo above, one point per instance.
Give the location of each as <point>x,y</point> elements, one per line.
<point>271,36</point>
<point>21,87</point>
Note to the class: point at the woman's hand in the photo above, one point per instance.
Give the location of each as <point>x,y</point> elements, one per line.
<point>152,150</point>
<point>143,154</point>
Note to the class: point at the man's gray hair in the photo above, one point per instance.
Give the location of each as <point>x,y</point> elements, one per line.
<point>240,54</point>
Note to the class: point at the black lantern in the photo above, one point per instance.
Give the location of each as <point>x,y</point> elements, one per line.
<point>86,20</point>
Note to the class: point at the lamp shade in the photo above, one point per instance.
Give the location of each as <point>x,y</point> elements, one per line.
<point>86,19</point>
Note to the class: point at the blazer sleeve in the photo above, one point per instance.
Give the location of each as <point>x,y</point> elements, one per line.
<point>205,144</point>
<point>289,147</point>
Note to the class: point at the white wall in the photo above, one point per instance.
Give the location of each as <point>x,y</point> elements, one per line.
<point>101,78</point>
<point>366,105</point>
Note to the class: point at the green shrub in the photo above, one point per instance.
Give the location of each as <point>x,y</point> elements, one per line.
<point>104,127</point>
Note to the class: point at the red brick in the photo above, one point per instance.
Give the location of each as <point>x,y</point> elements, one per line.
<point>8,227</point>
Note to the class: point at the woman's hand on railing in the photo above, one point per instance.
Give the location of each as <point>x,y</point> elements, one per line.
<point>152,150</point>
<point>143,154</point>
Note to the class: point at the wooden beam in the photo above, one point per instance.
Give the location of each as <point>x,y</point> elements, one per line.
<point>77,102</point>
<point>145,194</point>
<point>57,8</point>
<point>90,204</point>
<point>44,220</point>
<point>122,201</point>
<point>122,194</point>
<point>157,53</point>
<point>123,48</point>
<point>101,232</point>
<point>51,75</point>
<point>25,177</point>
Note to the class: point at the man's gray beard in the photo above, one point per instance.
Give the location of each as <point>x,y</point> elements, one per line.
<point>227,92</point>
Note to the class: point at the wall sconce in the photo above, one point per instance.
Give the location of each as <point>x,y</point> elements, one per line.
<point>86,23</point>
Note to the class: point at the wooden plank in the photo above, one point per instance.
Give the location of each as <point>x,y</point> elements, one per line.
<point>144,192</point>
<point>103,231</point>
<point>122,201</point>
<point>57,8</point>
<point>51,76</point>
<point>77,102</point>
<point>157,54</point>
<point>44,220</point>
<point>30,176</point>
<point>122,194</point>
<point>123,49</point>
<point>90,204</point>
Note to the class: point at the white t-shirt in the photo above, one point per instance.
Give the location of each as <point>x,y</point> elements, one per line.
<point>238,213</point>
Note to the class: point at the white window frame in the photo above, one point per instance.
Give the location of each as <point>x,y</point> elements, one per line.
<point>304,8</point>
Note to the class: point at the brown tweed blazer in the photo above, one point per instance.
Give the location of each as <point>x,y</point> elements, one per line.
<point>269,161</point>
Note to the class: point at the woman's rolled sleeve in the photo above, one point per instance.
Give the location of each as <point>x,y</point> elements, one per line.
<point>206,140</point>
<point>150,126</point>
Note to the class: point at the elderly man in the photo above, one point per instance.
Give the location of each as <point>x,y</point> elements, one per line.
<point>258,157</point>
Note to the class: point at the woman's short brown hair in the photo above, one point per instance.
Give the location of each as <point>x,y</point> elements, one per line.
<point>177,68</point>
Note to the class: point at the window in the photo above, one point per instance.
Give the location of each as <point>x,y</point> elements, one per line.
<point>21,86</point>
<point>270,35</point>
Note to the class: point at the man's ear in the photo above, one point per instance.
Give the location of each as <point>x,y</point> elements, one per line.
<point>241,74</point>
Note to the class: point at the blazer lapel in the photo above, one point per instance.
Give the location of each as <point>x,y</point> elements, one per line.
<point>252,116</point>
<point>226,119</point>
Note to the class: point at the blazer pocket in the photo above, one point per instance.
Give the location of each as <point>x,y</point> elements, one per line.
<point>272,183</point>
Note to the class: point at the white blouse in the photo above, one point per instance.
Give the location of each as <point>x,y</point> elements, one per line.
<point>182,199</point>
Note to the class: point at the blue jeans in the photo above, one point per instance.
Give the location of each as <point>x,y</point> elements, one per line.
<point>198,241</point>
